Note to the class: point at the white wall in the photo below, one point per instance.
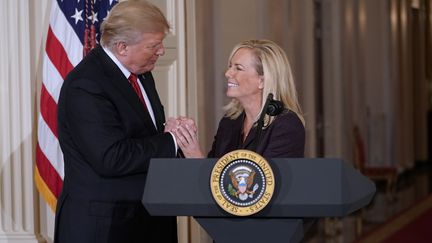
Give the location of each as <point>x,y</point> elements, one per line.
<point>21,23</point>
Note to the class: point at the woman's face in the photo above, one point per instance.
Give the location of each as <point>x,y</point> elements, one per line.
<point>243,81</point>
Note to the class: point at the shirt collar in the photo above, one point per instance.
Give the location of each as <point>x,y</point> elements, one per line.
<point>124,70</point>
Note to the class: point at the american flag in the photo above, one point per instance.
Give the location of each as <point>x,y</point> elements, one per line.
<point>73,30</point>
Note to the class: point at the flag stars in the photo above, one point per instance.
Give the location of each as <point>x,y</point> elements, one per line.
<point>77,16</point>
<point>93,17</point>
<point>106,16</point>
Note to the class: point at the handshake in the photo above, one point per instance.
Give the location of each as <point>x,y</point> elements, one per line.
<point>185,132</point>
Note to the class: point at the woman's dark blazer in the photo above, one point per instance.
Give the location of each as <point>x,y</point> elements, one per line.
<point>108,138</point>
<point>283,138</point>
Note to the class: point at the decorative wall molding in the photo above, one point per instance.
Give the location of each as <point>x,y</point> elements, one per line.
<point>17,198</point>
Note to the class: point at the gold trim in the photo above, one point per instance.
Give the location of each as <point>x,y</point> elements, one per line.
<point>44,190</point>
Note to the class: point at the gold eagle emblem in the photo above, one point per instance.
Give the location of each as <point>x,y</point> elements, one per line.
<point>242,178</point>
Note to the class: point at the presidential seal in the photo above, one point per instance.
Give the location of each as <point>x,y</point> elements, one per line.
<point>242,182</point>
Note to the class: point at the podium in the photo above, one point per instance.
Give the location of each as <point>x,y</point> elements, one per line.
<point>305,189</point>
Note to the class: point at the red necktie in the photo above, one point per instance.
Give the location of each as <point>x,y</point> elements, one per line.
<point>133,81</point>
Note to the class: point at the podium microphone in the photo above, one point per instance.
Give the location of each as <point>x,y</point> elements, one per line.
<point>272,108</point>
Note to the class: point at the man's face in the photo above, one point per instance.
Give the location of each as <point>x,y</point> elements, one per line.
<point>142,56</point>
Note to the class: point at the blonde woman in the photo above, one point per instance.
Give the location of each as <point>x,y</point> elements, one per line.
<point>255,69</point>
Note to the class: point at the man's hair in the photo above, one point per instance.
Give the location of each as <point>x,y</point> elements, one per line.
<point>270,62</point>
<point>128,20</point>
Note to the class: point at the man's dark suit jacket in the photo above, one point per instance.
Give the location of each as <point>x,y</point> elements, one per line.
<point>108,138</point>
<point>283,138</point>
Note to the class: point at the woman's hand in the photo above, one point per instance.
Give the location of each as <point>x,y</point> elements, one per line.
<point>187,140</point>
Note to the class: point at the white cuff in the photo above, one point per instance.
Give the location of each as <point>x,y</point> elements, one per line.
<point>175,143</point>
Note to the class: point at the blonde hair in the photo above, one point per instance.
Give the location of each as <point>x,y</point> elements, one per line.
<point>128,20</point>
<point>272,63</point>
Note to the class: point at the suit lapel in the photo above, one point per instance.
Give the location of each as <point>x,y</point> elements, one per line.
<point>149,85</point>
<point>117,79</point>
<point>250,137</point>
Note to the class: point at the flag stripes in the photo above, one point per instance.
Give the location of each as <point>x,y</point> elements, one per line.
<point>57,54</point>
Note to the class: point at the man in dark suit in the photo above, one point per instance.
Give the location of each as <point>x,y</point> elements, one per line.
<point>110,124</point>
